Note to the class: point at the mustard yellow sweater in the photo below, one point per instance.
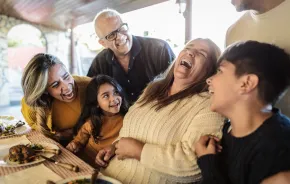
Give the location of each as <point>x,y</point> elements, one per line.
<point>62,115</point>
<point>168,135</point>
<point>111,126</point>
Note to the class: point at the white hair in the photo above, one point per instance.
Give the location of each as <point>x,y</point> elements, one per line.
<point>105,14</point>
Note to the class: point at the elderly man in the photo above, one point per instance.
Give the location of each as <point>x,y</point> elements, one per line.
<point>266,21</point>
<point>133,61</point>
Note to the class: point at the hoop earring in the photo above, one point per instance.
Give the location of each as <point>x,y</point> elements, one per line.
<point>208,81</point>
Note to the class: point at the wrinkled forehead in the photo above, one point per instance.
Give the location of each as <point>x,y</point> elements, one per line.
<point>105,25</point>
<point>198,44</point>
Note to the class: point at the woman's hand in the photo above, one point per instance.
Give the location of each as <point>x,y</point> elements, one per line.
<point>74,147</point>
<point>66,134</point>
<point>207,145</point>
<point>104,155</point>
<point>129,148</point>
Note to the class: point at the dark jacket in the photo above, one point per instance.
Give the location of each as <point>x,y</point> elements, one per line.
<point>149,58</point>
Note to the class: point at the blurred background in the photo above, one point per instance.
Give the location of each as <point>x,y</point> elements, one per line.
<point>64,28</point>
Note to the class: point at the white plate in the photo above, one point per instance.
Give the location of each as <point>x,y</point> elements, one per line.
<point>100,176</point>
<point>5,162</point>
<point>10,120</point>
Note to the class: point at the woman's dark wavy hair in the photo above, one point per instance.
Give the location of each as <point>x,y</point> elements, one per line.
<point>91,107</point>
<point>158,89</point>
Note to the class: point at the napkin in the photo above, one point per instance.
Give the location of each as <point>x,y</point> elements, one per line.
<point>34,175</point>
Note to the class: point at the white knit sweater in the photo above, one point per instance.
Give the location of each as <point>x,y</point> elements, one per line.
<point>168,135</point>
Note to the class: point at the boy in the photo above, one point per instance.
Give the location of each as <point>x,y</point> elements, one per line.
<point>256,140</point>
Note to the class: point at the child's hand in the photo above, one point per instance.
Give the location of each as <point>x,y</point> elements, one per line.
<point>66,134</point>
<point>207,145</point>
<point>73,147</point>
<point>128,147</point>
<point>104,155</point>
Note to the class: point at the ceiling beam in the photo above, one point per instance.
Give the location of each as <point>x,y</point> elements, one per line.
<point>65,14</point>
<point>122,7</point>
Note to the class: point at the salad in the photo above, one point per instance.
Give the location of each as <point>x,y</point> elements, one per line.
<point>9,129</point>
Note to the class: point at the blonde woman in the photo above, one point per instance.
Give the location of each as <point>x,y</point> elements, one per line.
<point>52,97</point>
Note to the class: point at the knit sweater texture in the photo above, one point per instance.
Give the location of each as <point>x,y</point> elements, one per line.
<point>62,115</point>
<point>168,134</point>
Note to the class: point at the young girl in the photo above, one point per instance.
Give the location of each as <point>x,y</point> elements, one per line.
<point>101,118</point>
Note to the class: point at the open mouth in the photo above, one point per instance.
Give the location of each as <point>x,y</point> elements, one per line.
<point>69,95</point>
<point>114,105</point>
<point>186,64</point>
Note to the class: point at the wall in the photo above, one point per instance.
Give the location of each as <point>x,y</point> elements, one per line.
<point>58,44</point>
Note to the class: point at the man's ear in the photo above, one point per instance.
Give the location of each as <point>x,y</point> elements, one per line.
<point>103,43</point>
<point>249,83</point>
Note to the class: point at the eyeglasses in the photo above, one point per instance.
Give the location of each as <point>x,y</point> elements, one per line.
<point>113,35</point>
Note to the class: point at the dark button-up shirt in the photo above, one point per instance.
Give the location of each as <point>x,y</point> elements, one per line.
<point>149,57</point>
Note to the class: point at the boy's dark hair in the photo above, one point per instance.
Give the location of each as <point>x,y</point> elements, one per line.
<point>270,63</point>
<point>90,108</point>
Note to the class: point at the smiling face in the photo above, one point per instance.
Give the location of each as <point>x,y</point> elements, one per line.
<point>61,84</point>
<point>191,61</point>
<point>122,44</point>
<point>109,99</point>
<point>224,88</point>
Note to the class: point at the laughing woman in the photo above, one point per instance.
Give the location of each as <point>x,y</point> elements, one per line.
<point>159,129</point>
<point>52,97</point>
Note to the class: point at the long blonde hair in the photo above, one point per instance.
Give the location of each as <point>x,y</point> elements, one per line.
<point>34,83</point>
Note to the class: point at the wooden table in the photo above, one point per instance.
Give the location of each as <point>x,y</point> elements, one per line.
<point>65,156</point>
